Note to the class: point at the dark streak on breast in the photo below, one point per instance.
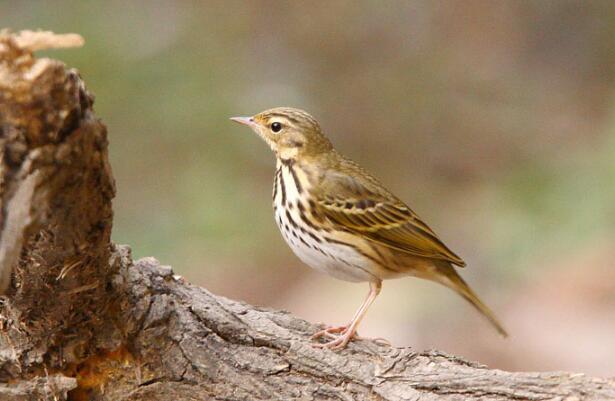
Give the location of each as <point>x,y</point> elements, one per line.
<point>304,243</point>
<point>307,221</point>
<point>314,237</point>
<point>282,187</point>
<point>296,179</point>
<point>290,219</point>
<point>275,182</point>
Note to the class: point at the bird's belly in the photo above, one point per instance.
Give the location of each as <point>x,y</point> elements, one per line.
<point>340,261</point>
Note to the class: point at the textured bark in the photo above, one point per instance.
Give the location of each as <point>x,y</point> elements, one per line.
<point>80,320</point>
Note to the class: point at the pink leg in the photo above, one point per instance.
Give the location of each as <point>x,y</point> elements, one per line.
<point>346,333</point>
<point>329,332</point>
<point>332,330</point>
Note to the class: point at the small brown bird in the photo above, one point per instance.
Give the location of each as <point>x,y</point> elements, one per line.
<point>339,219</point>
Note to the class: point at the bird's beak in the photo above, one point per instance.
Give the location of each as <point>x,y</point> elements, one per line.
<point>249,121</point>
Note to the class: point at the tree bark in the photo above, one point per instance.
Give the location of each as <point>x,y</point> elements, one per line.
<point>81,321</point>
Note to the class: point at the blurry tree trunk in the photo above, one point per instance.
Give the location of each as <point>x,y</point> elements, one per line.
<point>80,320</point>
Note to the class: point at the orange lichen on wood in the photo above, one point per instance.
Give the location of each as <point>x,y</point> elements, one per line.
<point>95,372</point>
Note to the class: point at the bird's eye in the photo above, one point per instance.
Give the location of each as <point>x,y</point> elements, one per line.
<point>276,126</point>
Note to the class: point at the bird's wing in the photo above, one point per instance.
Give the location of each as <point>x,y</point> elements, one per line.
<point>359,204</point>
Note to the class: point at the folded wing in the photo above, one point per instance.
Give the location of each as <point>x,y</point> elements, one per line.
<point>359,204</point>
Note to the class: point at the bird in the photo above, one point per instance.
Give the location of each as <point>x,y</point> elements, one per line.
<point>339,219</point>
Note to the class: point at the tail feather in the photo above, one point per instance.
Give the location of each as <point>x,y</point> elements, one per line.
<point>454,281</point>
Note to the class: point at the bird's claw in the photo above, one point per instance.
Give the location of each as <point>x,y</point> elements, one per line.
<point>329,332</point>
<point>340,337</point>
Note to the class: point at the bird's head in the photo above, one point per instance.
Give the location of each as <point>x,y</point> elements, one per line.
<point>291,133</point>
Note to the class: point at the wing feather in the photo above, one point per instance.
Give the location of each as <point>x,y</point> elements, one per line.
<point>362,206</point>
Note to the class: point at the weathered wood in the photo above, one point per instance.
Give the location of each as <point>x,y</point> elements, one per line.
<point>39,388</point>
<point>80,320</point>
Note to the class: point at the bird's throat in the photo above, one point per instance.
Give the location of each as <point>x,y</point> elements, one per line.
<point>288,153</point>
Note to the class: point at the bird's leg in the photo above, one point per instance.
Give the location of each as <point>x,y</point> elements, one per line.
<point>332,330</point>
<point>346,333</point>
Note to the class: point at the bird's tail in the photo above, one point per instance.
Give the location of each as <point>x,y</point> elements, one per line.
<point>453,280</point>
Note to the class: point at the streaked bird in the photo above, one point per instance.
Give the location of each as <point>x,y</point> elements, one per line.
<point>337,218</point>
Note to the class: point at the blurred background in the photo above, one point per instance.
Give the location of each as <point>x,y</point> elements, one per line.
<point>494,120</point>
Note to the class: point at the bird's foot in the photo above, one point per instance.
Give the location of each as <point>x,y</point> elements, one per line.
<point>340,336</point>
<point>331,332</point>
